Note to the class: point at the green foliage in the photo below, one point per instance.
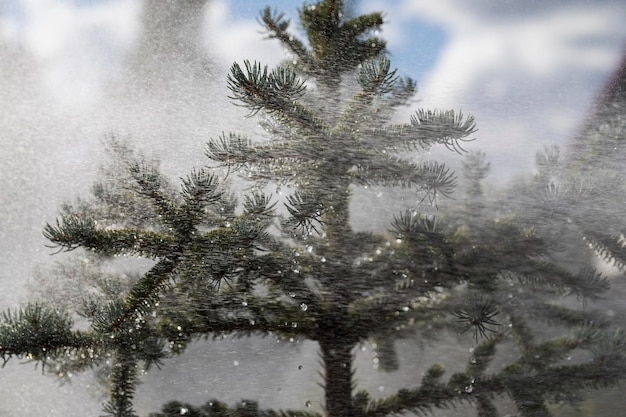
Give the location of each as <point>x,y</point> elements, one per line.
<point>298,269</point>
<point>214,408</point>
<point>34,332</point>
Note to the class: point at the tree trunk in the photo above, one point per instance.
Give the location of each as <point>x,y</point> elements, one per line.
<point>337,357</point>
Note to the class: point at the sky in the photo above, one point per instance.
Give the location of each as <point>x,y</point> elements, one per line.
<point>528,71</point>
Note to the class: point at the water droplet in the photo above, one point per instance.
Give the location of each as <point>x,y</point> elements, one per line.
<point>303,307</point>
<point>308,403</point>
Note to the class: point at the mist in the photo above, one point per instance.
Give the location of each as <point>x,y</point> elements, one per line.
<point>157,77</point>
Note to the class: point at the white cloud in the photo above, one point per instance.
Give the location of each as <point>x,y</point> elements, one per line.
<point>231,41</point>
<point>528,75</point>
<point>76,47</point>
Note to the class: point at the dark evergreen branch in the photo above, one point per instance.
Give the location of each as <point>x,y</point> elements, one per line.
<point>74,231</point>
<point>420,401</point>
<point>556,314</point>
<point>551,351</point>
<point>290,324</point>
<point>483,355</point>
<point>37,331</point>
<point>416,227</point>
<point>587,284</point>
<point>238,151</point>
<point>275,92</point>
<point>259,206</point>
<point>276,26</point>
<point>199,190</point>
<point>362,24</point>
<point>339,41</point>
<point>444,127</point>
<point>277,269</point>
<point>478,313</point>
<point>144,294</point>
<point>426,128</point>
<point>433,178</point>
<point>239,315</point>
<point>123,380</point>
<point>403,90</point>
<point>375,76</point>
<point>376,80</point>
<point>233,150</point>
<point>609,247</point>
<point>485,407</point>
<point>149,185</point>
<point>305,211</point>
<point>400,309</point>
<point>215,408</point>
<point>287,171</point>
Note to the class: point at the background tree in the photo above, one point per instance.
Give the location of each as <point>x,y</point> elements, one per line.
<point>293,265</point>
